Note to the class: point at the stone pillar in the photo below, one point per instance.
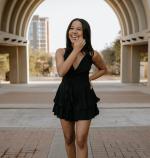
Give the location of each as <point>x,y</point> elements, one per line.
<point>14,65</point>
<point>23,64</point>
<point>18,64</point>
<point>148,72</point>
<point>130,64</point>
<point>135,64</point>
<point>125,64</point>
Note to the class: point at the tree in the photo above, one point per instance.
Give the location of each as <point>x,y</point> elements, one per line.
<point>4,65</point>
<point>40,63</point>
<point>111,56</point>
<point>108,55</point>
<point>117,49</point>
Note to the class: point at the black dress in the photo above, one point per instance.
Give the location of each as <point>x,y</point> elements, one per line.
<point>75,98</point>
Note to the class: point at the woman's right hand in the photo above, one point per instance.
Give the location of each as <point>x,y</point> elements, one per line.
<point>79,44</point>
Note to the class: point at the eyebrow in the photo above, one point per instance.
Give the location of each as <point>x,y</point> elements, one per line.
<point>77,27</point>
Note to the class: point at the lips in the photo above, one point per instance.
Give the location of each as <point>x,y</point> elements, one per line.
<point>74,37</point>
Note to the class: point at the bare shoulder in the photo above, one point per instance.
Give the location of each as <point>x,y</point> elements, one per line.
<point>98,61</point>
<point>60,52</point>
<point>97,55</point>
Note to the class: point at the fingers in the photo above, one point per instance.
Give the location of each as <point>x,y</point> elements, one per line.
<point>80,44</point>
<point>83,42</point>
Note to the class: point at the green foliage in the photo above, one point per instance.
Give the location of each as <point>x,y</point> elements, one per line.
<point>108,55</point>
<point>111,56</point>
<point>144,56</point>
<point>117,47</point>
<point>4,65</point>
<point>40,63</point>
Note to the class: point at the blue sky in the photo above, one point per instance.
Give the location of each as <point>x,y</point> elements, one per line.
<point>102,19</point>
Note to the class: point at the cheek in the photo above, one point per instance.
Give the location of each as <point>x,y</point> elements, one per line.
<point>81,33</point>
<point>69,33</point>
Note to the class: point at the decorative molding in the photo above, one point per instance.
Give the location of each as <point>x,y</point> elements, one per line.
<point>11,39</point>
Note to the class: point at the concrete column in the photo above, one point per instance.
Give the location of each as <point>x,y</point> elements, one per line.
<point>23,64</point>
<point>125,64</point>
<point>14,65</point>
<point>130,64</point>
<point>135,64</point>
<point>148,75</point>
<point>18,65</point>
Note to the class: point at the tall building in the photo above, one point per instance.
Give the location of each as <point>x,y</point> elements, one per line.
<point>39,33</point>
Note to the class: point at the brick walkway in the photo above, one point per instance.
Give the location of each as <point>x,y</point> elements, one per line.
<point>42,98</point>
<point>124,142</point>
<point>25,143</point>
<point>20,136</point>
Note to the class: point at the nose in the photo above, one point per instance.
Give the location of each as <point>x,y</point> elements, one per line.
<point>74,31</point>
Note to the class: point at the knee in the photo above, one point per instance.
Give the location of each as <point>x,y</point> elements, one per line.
<point>81,142</point>
<point>69,140</point>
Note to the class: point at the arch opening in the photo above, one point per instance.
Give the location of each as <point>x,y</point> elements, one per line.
<point>132,15</point>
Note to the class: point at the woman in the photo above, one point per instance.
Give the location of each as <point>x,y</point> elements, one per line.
<point>75,100</point>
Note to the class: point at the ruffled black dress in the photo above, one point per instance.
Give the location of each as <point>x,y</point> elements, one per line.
<point>75,98</point>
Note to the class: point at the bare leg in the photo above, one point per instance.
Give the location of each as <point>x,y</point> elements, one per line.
<point>69,135</point>
<point>82,129</point>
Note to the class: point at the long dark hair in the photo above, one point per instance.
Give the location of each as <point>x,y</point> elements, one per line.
<point>86,35</point>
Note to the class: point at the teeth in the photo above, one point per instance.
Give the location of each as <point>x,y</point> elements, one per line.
<point>74,37</point>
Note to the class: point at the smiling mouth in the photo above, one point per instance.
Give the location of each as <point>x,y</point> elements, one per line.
<point>74,37</point>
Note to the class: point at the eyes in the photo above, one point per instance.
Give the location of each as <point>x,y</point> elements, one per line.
<point>73,28</point>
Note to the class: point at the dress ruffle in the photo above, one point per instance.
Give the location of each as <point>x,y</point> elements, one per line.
<point>72,103</point>
<point>75,99</point>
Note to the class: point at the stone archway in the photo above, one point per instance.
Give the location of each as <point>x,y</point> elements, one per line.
<point>133,15</point>
<point>134,18</point>
<point>14,19</point>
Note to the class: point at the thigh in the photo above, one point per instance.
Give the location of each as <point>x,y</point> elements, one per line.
<point>68,127</point>
<point>82,129</point>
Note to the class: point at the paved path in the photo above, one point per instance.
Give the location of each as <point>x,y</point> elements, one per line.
<point>133,142</point>
<point>28,128</point>
<point>43,118</point>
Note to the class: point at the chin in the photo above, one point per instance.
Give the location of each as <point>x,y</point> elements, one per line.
<point>72,41</point>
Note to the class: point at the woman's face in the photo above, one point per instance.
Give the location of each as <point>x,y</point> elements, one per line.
<point>75,31</point>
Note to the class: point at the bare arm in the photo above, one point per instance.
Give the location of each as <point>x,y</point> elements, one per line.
<point>99,63</point>
<point>62,65</point>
